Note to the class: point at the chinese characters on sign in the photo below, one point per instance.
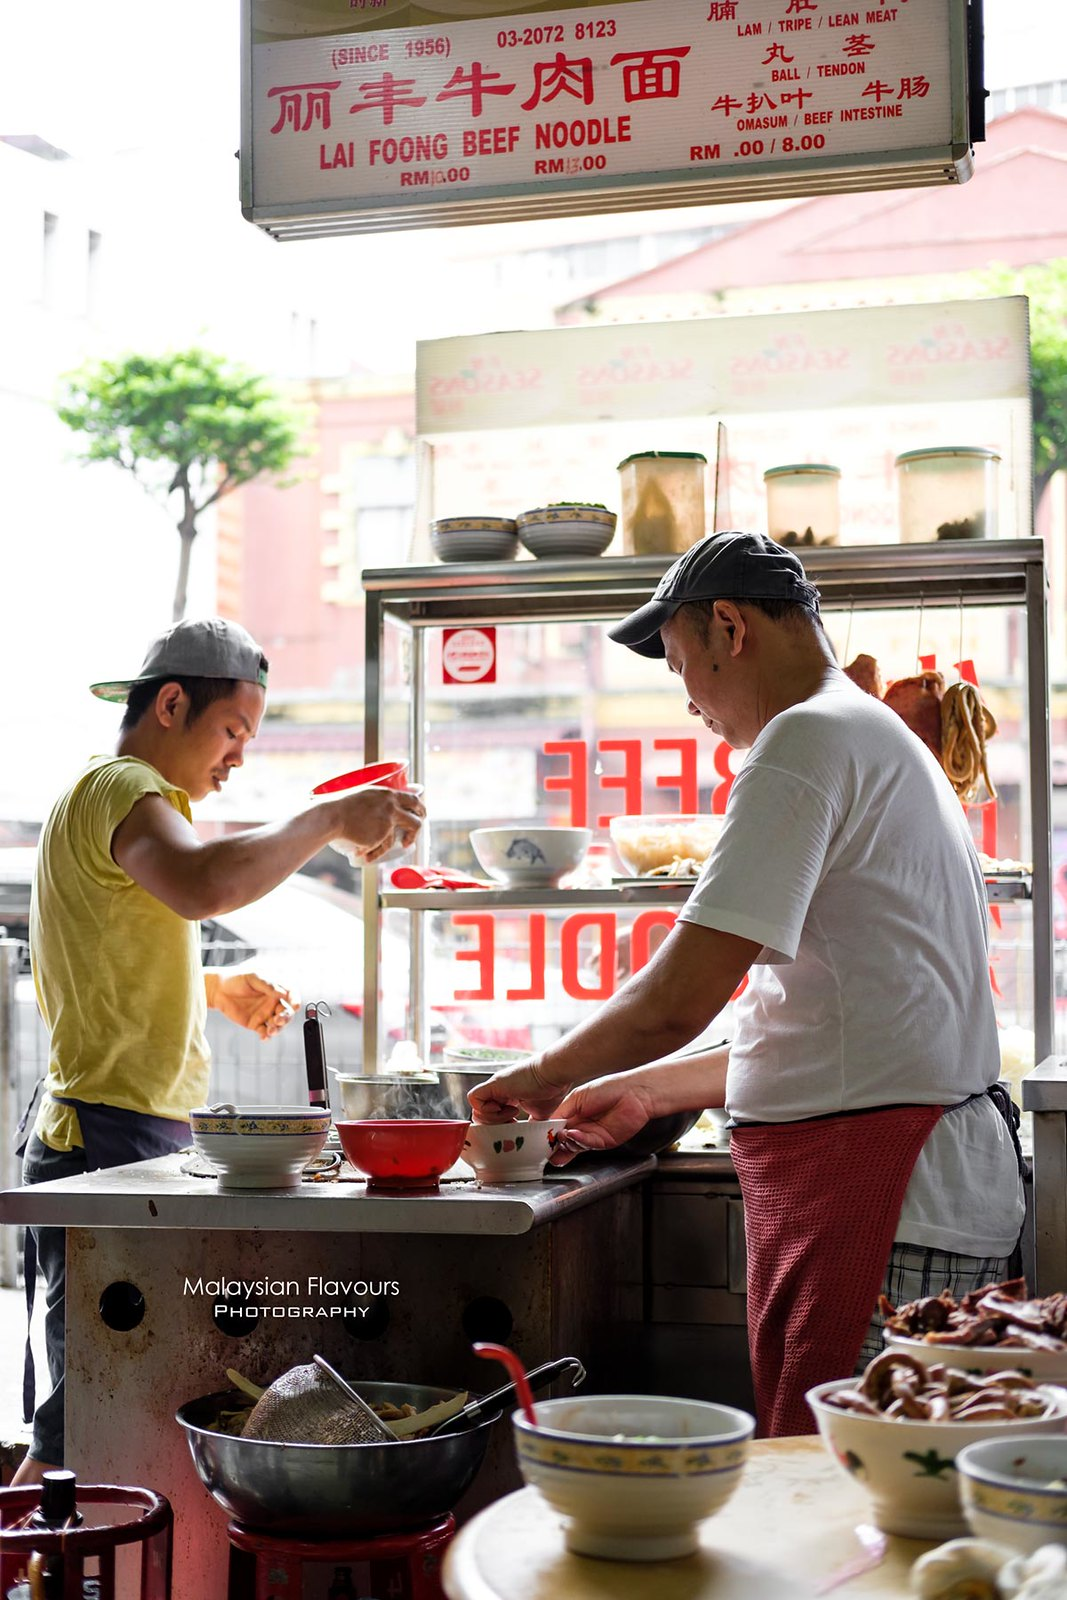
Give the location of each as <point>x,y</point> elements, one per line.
<point>638,94</point>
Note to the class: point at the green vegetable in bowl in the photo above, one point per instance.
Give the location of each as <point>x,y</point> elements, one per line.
<point>590,505</point>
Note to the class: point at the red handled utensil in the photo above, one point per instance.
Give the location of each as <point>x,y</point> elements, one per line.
<point>516,1372</point>
<point>433,878</point>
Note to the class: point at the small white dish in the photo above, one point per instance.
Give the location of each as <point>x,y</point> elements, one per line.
<point>511,1152</point>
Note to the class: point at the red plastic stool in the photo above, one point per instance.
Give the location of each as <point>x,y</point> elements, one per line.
<point>150,1523</point>
<point>402,1566</point>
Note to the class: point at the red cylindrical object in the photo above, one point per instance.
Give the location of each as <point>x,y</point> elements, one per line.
<point>404,1566</point>
<point>150,1524</point>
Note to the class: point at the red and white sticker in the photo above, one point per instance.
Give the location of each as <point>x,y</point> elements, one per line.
<point>468,655</point>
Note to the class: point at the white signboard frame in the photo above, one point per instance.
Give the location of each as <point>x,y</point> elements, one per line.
<point>641,104</point>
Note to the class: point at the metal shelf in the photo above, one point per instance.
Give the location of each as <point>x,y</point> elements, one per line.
<point>975,571</point>
<point>665,892</point>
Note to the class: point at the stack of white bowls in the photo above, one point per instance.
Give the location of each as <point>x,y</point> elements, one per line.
<point>474,539</point>
<point>558,532</point>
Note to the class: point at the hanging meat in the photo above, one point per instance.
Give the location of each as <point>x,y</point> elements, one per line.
<point>866,674</point>
<point>918,701</point>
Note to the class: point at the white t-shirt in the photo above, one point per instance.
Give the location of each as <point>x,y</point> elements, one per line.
<point>846,854</point>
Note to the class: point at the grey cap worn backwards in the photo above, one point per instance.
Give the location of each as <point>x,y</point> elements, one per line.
<point>210,648</point>
<point>723,566</point>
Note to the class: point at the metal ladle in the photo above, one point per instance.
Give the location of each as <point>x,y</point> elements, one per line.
<point>538,1378</point>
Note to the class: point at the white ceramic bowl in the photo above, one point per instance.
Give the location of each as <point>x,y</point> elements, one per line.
<point>645,843</point>
<point>511,1152</point>
<point>1014,1491</point>
<point>1044,1366</point>
<point>633,1474</point>
<point>908,1467</point>
<point>529,856</point>
<point>575,530</point>
<point>259,1147</point>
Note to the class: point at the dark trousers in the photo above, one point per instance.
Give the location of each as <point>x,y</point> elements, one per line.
<point>113,1138</point>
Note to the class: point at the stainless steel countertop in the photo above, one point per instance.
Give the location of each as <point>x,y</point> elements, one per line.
<point>157,1194</point>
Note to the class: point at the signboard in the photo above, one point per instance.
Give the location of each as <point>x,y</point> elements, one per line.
<point>468,655</point>
<point>356,118</point>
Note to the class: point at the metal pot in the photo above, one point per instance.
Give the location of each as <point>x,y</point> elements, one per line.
<point>387,1095</point>
<point>345,1489</point>
<point>455,1081</point>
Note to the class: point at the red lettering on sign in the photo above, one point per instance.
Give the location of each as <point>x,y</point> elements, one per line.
<point>538,961</point>
<point>721,792</point>
<point>629,781</point>
<point>641,935</point>
<point>483,952</point>
<point>570,932</point>
<point>575,781</point>
<point>686,781</point>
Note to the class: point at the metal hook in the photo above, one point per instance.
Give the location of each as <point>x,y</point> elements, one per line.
<point>315,1007</point>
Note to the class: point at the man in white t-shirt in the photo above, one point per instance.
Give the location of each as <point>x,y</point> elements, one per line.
<point>846,886</point>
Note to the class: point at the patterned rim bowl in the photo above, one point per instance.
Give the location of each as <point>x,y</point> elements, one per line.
<point>1014,1491</point>
<point>574,511</point>
<point>633,1474</point>
<point>908,1466</point>
<point>261,1120</point>
<point>447,525</point>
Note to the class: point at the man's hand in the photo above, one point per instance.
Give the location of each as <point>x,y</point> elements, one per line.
<point>250,1001</point>
<point>525,1087</point>
<point>601,1115</point>
<point>373,820</point>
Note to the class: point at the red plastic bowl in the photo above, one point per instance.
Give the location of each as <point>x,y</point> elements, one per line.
<point>403,1155</point>
<point>382,775</point>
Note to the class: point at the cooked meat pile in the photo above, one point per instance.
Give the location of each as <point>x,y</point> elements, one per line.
<point>952,723</point>
<point>897,1385</point>
<point>999,1314</point>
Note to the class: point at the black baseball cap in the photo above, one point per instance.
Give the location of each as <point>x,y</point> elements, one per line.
<point>723,566</point>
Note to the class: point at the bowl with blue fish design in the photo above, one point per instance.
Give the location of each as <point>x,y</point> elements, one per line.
<point>530,855</point>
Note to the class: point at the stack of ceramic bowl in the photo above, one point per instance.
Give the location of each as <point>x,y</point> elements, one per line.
<point>474,539</point>
<point>561,531</point>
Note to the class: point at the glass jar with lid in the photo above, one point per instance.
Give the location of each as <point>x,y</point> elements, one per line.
<point>803,503</point>
<point>949,492</point>
<point>662,501</point>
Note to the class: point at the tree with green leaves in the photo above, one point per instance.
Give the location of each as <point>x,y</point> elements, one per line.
<point>187,425</point>
<point>1045,284</point>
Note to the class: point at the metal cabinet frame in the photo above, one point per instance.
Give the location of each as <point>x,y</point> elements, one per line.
<point>867,577</point>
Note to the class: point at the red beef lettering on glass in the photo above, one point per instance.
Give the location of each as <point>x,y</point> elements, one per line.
<point>575,780</point>
<point>686,780</point>
<point>629,780</point>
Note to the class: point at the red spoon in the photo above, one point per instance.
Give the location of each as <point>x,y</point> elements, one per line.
<point>433,878</point>
<point>516,1372</point>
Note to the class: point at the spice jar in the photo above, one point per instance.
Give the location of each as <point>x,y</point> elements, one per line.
<point>947,493</point>
<point>662,501</point>
<point>803,503</point>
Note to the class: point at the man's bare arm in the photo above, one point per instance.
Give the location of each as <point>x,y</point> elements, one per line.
<point>161,851</point>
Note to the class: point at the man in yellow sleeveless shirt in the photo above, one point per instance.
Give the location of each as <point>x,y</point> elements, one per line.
<point>121,884</point>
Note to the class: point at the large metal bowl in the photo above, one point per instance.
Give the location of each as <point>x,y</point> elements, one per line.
<point>388,1095</point>
<point>335,1489</point>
